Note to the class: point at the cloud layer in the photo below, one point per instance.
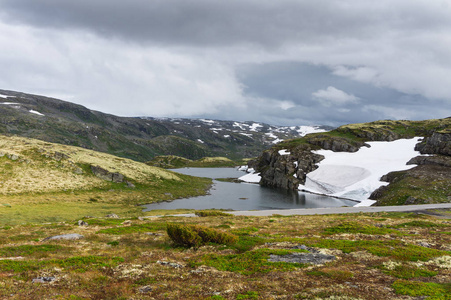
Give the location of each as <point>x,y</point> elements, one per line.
<point>284,62</point>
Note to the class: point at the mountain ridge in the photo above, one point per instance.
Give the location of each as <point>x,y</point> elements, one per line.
<point>138,138</point>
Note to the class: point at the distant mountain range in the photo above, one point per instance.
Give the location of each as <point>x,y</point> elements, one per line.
<point>138,138</point>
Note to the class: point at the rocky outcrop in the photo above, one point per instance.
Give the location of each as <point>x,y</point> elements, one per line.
<point>107,175</point>
<point>438,160</point>
<point>336,144</point>
<point>438,143</point>
<point>286,171</point>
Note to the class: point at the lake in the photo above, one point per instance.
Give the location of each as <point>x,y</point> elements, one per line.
<point>245,196</point>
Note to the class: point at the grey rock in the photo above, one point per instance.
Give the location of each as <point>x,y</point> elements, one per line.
<point>145,289</point>
<point>170,264</point>
<point>304,247</point>
<point>130,185</point>
<point>302,258</point>
<point>437,143</point>
<point>44,279</point>
<point>112,216</point>
<point>82,223</point>
<point>69,236</point>
<point>107,175</point>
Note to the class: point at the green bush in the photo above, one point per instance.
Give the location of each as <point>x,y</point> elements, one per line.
<point>195,235</point>
<point>212,213</point>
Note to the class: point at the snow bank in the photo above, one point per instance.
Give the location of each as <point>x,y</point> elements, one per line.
<point>284,152</point>
<point>35,112</point>
<point>9,103</point>
<point>251,178</point>
<point>356,175</point>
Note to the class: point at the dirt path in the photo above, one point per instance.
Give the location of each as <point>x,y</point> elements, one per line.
<point>346,210</point>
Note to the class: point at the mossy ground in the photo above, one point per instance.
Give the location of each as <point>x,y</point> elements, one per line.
<point>379,256</point>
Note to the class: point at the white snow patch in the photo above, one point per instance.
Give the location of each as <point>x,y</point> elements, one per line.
<point>226,136</point>
<point>284,152</point>
<point>255,126</point>
<point>247,134</point>
<point>243,168</point>
<point>304,130</point>
<point>35,112</point>
<point>273,136</point>
<point>207,121</point>
<point>240,125</point>
<point>356,175</point>
<point>5,96</point>
<point>251,178</point>
<point>9,103</point>
<point>200,141</point>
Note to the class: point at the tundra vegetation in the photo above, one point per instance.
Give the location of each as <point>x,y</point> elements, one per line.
<point>50,190</point>
<point>377,256</point>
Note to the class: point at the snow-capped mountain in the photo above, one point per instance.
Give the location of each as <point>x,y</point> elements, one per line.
<point>139,138</point>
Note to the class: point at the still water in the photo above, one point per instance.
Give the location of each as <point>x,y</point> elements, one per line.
<point>245,196</point>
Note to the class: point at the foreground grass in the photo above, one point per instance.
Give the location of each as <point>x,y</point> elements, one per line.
<point>378,256</point>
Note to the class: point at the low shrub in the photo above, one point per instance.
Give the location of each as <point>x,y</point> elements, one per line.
<point>195,235</point>
<point>212,213</point>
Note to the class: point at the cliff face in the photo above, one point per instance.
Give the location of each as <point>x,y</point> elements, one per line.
<point>287,169</point>
<point>438,143</point>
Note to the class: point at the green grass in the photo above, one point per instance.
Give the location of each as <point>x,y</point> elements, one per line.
<point>416,288</point>
<point>247,263</point>
<point>212,213</point>
<point>76,263</point>
<point>148,227</point>
<point>354,227</point>
<point>393,248</point>
<point>420,224</point>
<point>408,272</point>
<point>32,250</point>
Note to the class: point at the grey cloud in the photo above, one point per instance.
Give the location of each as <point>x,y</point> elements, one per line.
<point>297,82</point>
<point>218,23</point>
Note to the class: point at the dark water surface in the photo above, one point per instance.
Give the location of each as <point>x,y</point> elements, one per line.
<point>245,196</point>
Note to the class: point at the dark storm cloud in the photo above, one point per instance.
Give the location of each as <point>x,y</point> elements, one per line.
<point>286,62</point>
<point>207,22</point>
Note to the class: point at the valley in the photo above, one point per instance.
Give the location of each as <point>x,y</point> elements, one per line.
<point>72,182</point>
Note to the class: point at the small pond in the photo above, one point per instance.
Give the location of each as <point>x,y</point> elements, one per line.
<point>245,196</point>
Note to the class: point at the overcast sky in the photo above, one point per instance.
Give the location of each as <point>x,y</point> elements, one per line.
<point>283,62</point>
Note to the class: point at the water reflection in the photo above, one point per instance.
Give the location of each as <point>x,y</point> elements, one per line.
<point>243,196</point>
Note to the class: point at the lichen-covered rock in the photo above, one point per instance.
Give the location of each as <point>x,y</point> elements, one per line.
<point>438,143</point>
<point>107,175</point>
<point>439,160</point>
<point>69,236</point>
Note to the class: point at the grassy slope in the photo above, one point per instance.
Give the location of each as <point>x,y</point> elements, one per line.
<point>374,131</point>
<point>379,256</point>
<point>42,181</point>
<point>174,162</point>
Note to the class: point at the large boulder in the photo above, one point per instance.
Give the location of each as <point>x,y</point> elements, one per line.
<point>437,143</point>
